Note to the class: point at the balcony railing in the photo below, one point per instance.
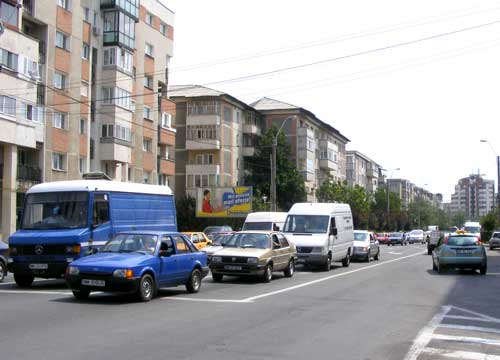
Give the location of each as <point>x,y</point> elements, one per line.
<point>131,7</point>
<point>30,173</point>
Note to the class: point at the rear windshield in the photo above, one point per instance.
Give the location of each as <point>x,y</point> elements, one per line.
<point>462,240</point>
<point>496,235</point>
<point>360,236</point>
<point>260,225</point>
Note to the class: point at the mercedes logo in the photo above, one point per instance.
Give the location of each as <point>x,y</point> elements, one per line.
<point>233,259</point>
<point>39,249</point>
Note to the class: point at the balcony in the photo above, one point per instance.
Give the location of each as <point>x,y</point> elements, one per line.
<point>328,164</point>
<point>200,120</point>
<point>248,151</point>
<point>113,149</point>
<point>29,173</point>
<point>202,169</point>
<point>371,173</point>
<point>166,166</point>
<point>131,7</point>
<point>307,176</point>
<point>251,129</point>
<point>202,144</point>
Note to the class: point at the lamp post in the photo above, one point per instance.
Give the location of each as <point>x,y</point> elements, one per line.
<point>273,165</point>
<point>498,176</point>
<point>387,190</point>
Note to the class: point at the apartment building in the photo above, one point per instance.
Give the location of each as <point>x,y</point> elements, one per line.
<point>215,134</point>
<point>362,171</point>
<point>91,81</point>
<point>403,189</point>
<point>317,147</point>
<point>474,196</point>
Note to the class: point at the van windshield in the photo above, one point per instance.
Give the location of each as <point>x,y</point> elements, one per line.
<point>56,210</point>
<point>260,225</point>
<point>307,224</point>
<point>472,229</point>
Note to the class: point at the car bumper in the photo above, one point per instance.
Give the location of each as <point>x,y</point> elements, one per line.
<point>359,253</point>
<point>112,284</point>
<point>54,270</point>
<point>204,271</point>
<point>462,261</point>
<point>494,243</point>
<point>237,270</point>
<point>311,259</point>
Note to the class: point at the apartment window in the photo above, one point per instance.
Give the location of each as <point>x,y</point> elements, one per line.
<point>65,4</point>
<point>204,159</point>
<point>116,96</point>
<point>149,50</point>
<point>147,145</point>
<point>92,149</point>
<point>32,112</point>
<point>82,126</point>
<point>59,120</point>
<point>82,164</point>
<point>163,29</point>
<point>227,114</point>
<point>129,174</point>
<point>148,81</point>
<point>8,105</point>
<point>203,108</point>
<point>59,80</point>
<point>85,51</point>
<point>8,13</point>
<point>86,14</point>
<point>84,89</point>
<point>119,28</point>
<point>58,161</point>
<point>119,57</point>
<point>8,59</point>
<point>146,176</point>
<point>148,114</point>
<point>163,180</point>
<point>116,131</point>
<point>202,132</point>
<point>28,67</point>
<point>149,19</point>
<point>62,40</point>
<point>166,120</point>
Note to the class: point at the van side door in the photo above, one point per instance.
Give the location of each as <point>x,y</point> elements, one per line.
<point>102,229</point>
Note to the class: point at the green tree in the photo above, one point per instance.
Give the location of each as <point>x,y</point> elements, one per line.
<point>290,187</point>
<point>386,221</point>
<point>489,223</point>
<point>458,219</point>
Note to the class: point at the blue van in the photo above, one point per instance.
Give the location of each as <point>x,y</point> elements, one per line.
<point>65,220</point>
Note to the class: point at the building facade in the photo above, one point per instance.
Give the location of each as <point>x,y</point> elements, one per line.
<point>317,147</point>
<point>215,134</point>
<point>91,87</point>
<point>474,196</point>
<point>362,171</point>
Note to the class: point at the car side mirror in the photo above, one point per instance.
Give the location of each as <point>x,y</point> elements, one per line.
<point>333,231</point>
<point>275,245</point>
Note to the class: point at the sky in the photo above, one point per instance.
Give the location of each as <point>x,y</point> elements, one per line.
<point>413,84</point>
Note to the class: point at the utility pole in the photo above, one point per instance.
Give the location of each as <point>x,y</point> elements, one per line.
<point>498,188</point>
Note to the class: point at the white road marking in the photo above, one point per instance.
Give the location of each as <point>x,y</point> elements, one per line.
<point>471,328</point>
<point>178,298</point>
<point>395,253</point>
<point>37,292</point>
<point>459,317</point>
<point>466,339</point>
<point>460,354</point>
<point>35,281</point>
<point>479,315</point>
<point>272,293</point>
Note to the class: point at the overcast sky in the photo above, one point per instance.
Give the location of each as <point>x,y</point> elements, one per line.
<point>422,106</point>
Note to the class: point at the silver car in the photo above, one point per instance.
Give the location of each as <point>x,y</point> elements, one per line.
<point>495,240</point>
<point>459,250</point>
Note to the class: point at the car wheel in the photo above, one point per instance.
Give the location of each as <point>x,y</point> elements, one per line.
<point>146,288</point>
<point>376,257</point>
<point>434,267</point>
<point>81,294</point>
<point>268,273</point>
<point>290,269</point>
<point>482,270</point>
<point>491,247</point>
<point>217,277</point>
<point>368,256</point>
<point>440,268</point>
<point>328,264</point>
<point>429,251</point>
<point>3,271</point>
<point>194,283</point>
<point>23,280</point>
<point>347,260</point>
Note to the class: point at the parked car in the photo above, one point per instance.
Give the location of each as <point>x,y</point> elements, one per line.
<point>397,238</point>
<point>218,242</point>
<point>4,259</point>
<point>416,236</point>
<point>199,239</point>
<point>494,240</point>
<point>459,250</point>
<point>267,221</point>
<point>211,230</point>
<point>366,246</point>
<point>382,238</point>
<point>140,263</point>
<point>254,253</point>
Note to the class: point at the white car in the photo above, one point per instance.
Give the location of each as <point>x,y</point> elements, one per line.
<point>366,246</point>
<point>416,236</point>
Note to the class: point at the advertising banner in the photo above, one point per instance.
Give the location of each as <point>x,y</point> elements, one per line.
<point>224,201</point>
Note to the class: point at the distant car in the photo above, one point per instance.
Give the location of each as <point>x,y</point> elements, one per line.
<point>463,251</point>
<point>211,230</point>
<point>366,246</point>
<point>4,256</point>
<point>495,240</point>
<point>218,242</point>
<point>416,236</point>
<point>382,238</point>
<point>199,239</point>
<point>254,253</point>
<point>397,238</point>
<point>139,263</point>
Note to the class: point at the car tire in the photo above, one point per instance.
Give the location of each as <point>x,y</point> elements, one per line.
<point>290,269</point>
<point>3,271</point>
<point>440,268</point>
<point>429,251</point>
<point>23,280</point>
<point>347,260</point>
<point>146,288</point>
<point>81,294</point>
<point>376,257</point>
<point>482,270</point>
<point>368,256</point>
<point>268,273</point>
<point>217,277</point>
<point>434,267</point>
<point>194,283</point>
<point>328,264</point>
<point>491,248</point>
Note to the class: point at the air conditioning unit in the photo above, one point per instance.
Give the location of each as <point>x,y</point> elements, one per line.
<point>96,30</point>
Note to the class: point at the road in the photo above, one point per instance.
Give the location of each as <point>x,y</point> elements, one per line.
<point>394,308</point>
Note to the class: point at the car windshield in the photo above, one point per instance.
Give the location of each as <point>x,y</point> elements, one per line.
<point>56,210</point>
<point>260,225</point>
<point>220,239</point>
<point>307,224</point>
<point>131,243</point>
<point>214,229</point>
<point>472,229</point>
<point>359,236</point>
<point>496,235</point>
<point>417,232</point>
<point>259,241</point>
<point>396,235</point>
<point>462,240</point>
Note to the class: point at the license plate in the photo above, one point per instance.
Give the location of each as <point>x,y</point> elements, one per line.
<point>90,282</point>
<point>39,266</point>
<point>232,267</point>
<point>464,252</point>
<point>301,260</point>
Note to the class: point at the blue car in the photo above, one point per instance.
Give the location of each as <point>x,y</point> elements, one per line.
<point>139,263</point>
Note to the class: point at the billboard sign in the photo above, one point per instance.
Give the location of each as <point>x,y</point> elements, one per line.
<point>224,201</point>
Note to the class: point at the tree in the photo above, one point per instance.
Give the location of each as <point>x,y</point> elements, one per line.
<point>290,187</point>
<point>458,219</point>
<point>379,207</point>
<point>489,223</point>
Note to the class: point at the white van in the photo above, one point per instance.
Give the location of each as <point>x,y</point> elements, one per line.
<point>322,232</point>
<point>267,221</point>
<point>473,227</point>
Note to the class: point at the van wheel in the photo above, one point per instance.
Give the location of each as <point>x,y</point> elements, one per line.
<point>328,264</point>
<point>482,270</point>
<point>368,256</point>
<point>268,273</point>
<point>376,257</point>
<point>81,294</point>
<point>3,270</point>
<point>23,280</point>
<point>347,260</point>
<point>146,288</point>
<point>217,277</point>
<point>194,283</point>
<point>290,269</point>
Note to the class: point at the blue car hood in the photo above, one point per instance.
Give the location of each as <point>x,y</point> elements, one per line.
<point>111,261</point>
<point>65,236</point>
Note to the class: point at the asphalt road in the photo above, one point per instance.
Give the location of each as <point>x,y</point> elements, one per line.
<point>395,308</point>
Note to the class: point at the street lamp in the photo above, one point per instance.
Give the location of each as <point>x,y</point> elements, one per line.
<point>387,190</point>
<point>498,176</point>
<point>273,165</point>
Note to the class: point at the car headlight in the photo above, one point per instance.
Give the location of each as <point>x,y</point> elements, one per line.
<point>216,259</point>
<point>252,260</point>
<point>73,249</point>
<point>12,251</point>
<point>73,270</point>
<point>123,273</point>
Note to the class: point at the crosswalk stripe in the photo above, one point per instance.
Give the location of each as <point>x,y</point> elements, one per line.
<point>459,317</point>
<point>471,328</point>
<point>460,354</point>
<point>466,339</point>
